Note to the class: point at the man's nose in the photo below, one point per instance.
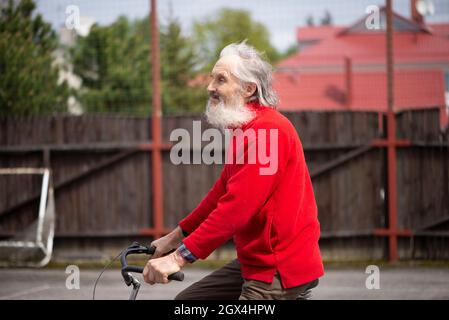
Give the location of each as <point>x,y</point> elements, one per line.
<point>210,87</point>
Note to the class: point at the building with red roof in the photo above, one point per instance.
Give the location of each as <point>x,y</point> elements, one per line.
<point>344,68</point>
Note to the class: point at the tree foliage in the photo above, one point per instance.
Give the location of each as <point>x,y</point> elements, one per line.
<point>230,26</point>
<point>114,65</point>
<point>178,62</point>
<point>113,62</point>
<point>28,75</point>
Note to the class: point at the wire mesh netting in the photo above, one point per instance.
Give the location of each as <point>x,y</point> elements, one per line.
<point>95,58</point>
<point>82,56</point>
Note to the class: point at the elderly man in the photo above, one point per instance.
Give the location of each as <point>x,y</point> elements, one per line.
<point>272,217</point>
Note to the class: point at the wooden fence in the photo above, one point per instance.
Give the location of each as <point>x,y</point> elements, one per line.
<point>102,177</point>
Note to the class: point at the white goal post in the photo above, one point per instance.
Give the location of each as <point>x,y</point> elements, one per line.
<point>33,246</point>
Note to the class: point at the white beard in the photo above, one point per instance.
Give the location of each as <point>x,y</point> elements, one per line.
<point>224,116</point>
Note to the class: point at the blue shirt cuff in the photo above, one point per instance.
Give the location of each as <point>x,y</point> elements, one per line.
<point>186,254</point>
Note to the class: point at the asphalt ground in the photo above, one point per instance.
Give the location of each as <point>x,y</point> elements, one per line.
<point>338,283</point>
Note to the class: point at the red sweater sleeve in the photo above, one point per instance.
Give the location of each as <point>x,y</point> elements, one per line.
<point>206,206</point>
<point>246,192</point>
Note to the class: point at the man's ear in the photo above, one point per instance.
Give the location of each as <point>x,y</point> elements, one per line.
<point>250,88</point>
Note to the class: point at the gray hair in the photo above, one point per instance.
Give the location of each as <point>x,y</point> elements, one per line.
<point>252,68</point>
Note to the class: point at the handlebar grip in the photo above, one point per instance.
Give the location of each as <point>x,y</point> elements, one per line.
<point>177,276</point>
<point>151,250</point>
<point>137,249</point>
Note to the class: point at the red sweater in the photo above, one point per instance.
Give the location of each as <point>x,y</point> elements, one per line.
<point>273,218</point>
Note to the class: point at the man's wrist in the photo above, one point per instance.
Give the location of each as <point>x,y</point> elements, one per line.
<point>180,260</point>
<point>175,237</point>
<point>178,234</point>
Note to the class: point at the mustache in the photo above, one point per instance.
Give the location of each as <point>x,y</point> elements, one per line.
<point>214,95</point>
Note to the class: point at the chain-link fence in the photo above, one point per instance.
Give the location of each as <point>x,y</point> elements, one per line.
<point>81,56</point>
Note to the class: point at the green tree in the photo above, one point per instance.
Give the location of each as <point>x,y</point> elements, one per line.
<point>229,26</point>
<point>113,64</point>
<point>178,62</point>
<point>28,76</point>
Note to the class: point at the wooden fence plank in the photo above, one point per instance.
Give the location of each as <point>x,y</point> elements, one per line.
<point>118,200</point>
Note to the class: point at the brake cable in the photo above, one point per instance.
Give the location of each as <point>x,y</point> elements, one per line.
<point>104,269</point>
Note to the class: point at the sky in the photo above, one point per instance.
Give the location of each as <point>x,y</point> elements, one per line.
<point>281,17</point>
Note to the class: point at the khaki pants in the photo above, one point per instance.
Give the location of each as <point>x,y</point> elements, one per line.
<point>227,284</point>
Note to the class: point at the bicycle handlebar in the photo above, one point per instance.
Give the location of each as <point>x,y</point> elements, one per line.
<point>137,248</point>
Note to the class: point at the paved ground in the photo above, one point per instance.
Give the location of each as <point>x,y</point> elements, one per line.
<point>404,283</point>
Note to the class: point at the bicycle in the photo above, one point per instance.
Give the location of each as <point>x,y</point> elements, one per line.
<point>127,270</point>
<point>130,279</point>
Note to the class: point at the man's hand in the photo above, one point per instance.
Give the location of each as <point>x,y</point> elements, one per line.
<point>158,270</point>
<point>167,243</point>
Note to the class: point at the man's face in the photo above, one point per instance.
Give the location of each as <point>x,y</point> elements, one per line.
<point>226,106</point>
<point>224,86</point>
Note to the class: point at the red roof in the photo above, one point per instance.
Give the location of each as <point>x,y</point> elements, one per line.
<point>440,29</point>
<point>371,48</point>
<point>316,78</point>
<point>317,32</point>
<point>311,91</point>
